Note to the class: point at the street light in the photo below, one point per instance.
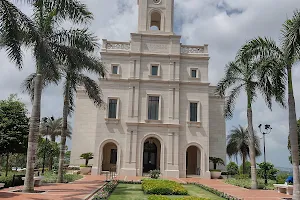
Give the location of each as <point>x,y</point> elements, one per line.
<point>265,132</point>
<point>46,121</point>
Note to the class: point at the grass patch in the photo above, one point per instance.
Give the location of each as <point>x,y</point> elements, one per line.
<point>246,183</point>
<point>135,192</point>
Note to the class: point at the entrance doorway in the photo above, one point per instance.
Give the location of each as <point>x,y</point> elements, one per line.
<point>109,157</point>
<point>193,157</point>
<point>151,155</point>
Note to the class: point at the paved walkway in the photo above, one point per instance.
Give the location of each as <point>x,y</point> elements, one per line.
<point>73,191</point>
<point>81,188</point>
<point>238,192</point>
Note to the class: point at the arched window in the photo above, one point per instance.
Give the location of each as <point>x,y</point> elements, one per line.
<point>155,21</point>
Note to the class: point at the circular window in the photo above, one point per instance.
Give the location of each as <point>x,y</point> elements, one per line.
<point>157,1</point>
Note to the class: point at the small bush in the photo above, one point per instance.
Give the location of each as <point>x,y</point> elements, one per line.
<point>8,180</point>
<point>163,187</point>
<point>154,174</point>
<point>232,168</point>
<point>269,167</point>
<point>247,168</point>
<point>50,177</point>
<point>281,177</point>
<point>158,197</point>
<point>246,183</point>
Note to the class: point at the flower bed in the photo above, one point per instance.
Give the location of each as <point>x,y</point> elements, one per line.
<point>158,197</point>
<point>163,187</point>
<point>216,192</point>
<point>106,190</point>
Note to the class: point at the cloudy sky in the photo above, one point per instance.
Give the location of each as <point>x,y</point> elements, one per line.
<point>223,24</point>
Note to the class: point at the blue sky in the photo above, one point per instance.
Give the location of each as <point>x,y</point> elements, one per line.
<point>223,24</point>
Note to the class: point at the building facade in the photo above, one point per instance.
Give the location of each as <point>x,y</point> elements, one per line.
<point>161,112</point>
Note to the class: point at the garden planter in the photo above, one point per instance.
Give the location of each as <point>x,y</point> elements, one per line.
<point>215,174</point>
<point>85,170</point>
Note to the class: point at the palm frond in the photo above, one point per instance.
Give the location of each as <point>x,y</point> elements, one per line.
<point>79,38</point>
<point>231,100</point>
<point>73,10</point>
<point>92,89</point>
<point>290,37</point>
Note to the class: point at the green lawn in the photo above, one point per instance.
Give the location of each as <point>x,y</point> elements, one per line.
<point>134,192</point>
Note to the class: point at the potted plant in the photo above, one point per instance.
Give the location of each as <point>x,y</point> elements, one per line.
<point>85,169</point>
<point>215,173</point>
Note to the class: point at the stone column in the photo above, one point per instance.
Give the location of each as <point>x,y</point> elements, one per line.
<point>130,157</point>
<point>172,156</point>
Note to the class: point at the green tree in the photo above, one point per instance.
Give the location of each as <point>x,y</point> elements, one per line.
<point>53,128</point>
<point>48,148</point>
<point>238,144</point>
<point>232,168</point>
<point>245,169</point>
<point>285,58</point>
<point>271,171</point>
<point>50,52</point>
<point>216,161</point>
<point>251,76</point>
<point>13,127</point>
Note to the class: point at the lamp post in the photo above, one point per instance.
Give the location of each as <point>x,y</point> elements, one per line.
<point>265,132</point>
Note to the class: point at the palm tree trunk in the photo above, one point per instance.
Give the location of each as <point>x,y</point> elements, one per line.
<point>63,135</point>
<point>244,164</point>
<point>33,135</point>
<point>251,145</point>
<point>293,136</point>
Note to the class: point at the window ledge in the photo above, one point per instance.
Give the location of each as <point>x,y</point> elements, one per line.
<point>112,121</point>
<point>116,75</point>
<point>193,78</point>
<point>153,121</point>
<point>194,124</point>
<point>154,76</point>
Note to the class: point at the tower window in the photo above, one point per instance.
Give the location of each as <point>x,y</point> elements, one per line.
<point>155,21</point>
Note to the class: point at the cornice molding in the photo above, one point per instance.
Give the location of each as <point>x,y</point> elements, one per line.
<point>153,125</point>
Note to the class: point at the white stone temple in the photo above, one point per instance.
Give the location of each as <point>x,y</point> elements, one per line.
<point>161,111</point>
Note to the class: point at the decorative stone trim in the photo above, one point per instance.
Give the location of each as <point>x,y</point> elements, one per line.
<point>185,49</point>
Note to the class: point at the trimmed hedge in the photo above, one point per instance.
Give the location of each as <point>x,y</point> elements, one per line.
<point>163,187</point>
<point>158,197</point>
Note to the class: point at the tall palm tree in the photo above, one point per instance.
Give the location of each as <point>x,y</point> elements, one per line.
<point>286,56</point>
<point>238,144</point>
<point>53,128</point>
<point>251,76</point>
<point>73,77</point>
<point>50,52</point>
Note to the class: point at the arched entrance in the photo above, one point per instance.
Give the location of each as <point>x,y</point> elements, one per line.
<point>151,155</point>
<point>110,157</point>
<point>193,161</point>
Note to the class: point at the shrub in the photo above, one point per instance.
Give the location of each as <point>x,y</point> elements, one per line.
<point>106,190</point>
<point>281,177</point>
<point>163,187</point>
<point>271,171</point>
<point>87,157</point>
<point>8,180</point>
<point>246,183</point>
<point>232,168</point>
<point>247,168</point>
<point>216,161</point>
<point>50,177</point>
<point>154,174</point>
<point>158,197</point>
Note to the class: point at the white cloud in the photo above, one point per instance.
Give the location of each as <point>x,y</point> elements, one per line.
<point>223,24</point>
